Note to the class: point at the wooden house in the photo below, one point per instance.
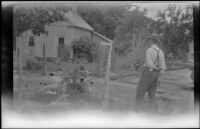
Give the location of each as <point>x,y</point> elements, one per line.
<point>59,36</point>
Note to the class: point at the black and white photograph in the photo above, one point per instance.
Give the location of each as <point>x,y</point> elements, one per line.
<point>101,64</point>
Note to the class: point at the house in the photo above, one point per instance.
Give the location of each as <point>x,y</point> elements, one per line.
<point>59,36</point>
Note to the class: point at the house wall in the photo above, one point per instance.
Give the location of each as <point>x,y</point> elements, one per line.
<point>27,51</point>
<point>77,33</point>
<point>56,30</point>
<point>54,33</point>
<point>38,46</point>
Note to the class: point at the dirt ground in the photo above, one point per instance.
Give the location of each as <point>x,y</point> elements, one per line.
<point>175,93</point>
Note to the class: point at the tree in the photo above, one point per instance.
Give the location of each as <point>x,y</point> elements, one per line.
<point>35,18</point>
<point>130,30</point>
<point>103,19</point>
<point>85,47</point>
<point>93,16</point>
<point>175,27</point>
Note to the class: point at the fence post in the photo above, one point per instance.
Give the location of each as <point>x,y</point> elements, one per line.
<point>20,69</point>
<point>106,95</point>
<point>100,60</point>
<point>44,59</point>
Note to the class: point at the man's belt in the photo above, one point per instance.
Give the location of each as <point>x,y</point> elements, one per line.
<point>152,69</point>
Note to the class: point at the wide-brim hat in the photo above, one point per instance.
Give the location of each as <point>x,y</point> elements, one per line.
<point>152,38</point>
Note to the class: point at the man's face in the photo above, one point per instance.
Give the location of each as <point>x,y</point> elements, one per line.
<point>150,43</point>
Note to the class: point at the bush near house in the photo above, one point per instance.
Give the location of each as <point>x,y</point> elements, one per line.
<point>33,65</point>
<point>84,47</point>
<point>66,52</point>
<point>122,47</point>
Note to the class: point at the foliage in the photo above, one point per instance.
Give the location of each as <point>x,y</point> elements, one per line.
<point>66,52</point>
<point>33,65</point>
<point>103,19</point>
<point>122,47</point>
<point>35,18</point>
<point>133,27</point>
<point>175,27</point>
<point>128,28</point>
<point>85,47</point>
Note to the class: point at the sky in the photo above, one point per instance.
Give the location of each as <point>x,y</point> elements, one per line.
<point>153,7</point>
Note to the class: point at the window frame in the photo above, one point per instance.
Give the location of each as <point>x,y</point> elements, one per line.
<point>31,41</point>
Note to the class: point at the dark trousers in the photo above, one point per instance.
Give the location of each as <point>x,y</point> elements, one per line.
<point>147,83</point>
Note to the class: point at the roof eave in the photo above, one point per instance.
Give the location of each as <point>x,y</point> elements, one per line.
<point>110,41</point>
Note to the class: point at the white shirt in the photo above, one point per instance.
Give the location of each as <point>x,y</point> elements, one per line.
<point>151,55</point>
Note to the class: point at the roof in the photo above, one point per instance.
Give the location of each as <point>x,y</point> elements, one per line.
<point>60,23</point>
<point>103,37</point>
<point>77,21</point>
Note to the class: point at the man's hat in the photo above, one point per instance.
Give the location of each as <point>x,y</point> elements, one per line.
<point>152,38</point>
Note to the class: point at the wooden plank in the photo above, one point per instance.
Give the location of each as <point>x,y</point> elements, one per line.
<point>106,95</point>
<point>106,43</point>
<point>102,51</point>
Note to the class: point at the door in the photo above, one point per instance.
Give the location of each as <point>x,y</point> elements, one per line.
<point>31,48</point>
<point>61,46</point>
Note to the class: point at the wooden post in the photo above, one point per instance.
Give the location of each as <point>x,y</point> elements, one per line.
<point>106,95</point>
<point>71,47</point>
<point>44,59</point>
<point>17,55</point>
<point>20,84</point>
<point>100,59</point>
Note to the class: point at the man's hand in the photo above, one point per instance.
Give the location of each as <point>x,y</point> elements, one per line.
<point>157,68</point>
<point>159,79</point>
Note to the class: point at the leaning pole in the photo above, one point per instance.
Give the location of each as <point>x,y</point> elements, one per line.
<point>106,94</point>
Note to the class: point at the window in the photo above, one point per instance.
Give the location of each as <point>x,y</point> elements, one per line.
<point>61,40</point>
<point>31,41</point>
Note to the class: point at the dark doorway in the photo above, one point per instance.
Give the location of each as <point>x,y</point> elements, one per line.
<point>61,46</point>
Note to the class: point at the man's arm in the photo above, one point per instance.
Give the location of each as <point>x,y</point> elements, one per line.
<point>149,62</point>
<point>163,66</point>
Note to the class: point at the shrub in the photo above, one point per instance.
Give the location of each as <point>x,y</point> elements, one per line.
<point>84,47</point>
<point>33,65</point>
<point>122,47</point>
<point>66,52</point>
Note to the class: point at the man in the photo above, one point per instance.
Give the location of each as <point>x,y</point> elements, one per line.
<point>154,65</point>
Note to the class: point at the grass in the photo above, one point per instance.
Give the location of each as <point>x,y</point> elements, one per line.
<point>122,91</point>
